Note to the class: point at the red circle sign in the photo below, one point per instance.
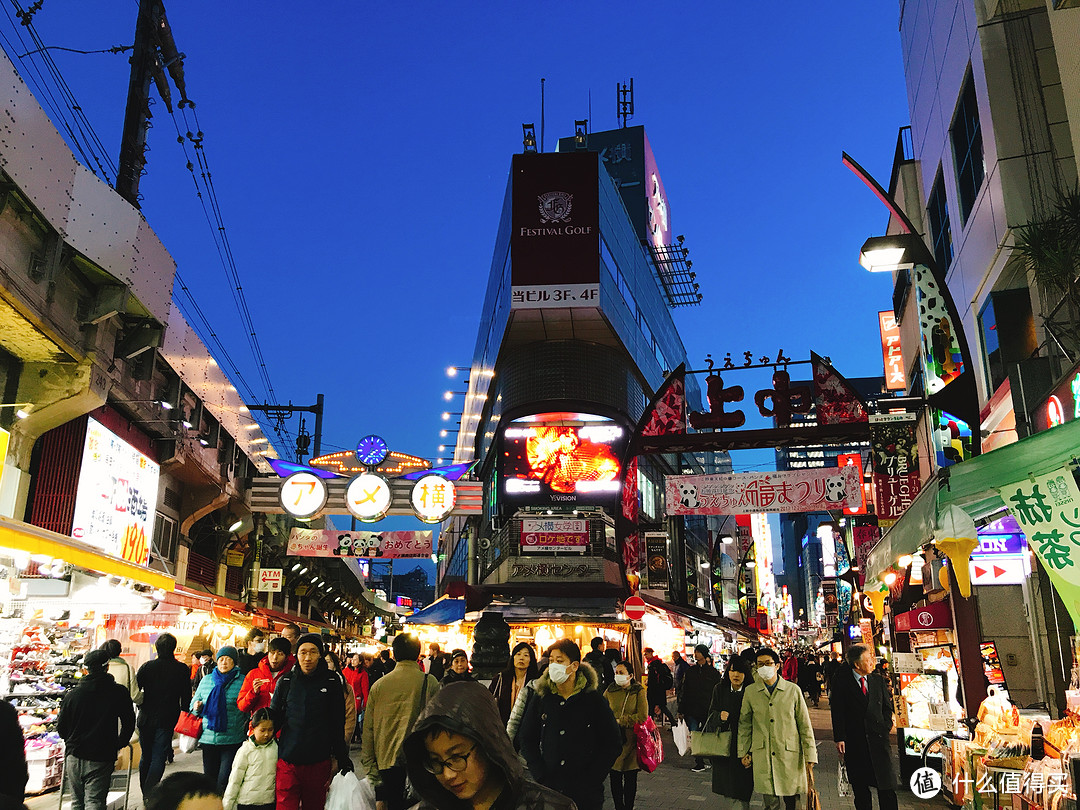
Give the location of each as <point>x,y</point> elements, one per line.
<point>634,607</point>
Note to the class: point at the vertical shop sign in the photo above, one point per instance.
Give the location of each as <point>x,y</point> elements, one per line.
<point>828,595</point>
<point>1047,508</point>
<point>895,374</point>
<point>656,561</point>
<point>895,454</point>
<point>864,537</point>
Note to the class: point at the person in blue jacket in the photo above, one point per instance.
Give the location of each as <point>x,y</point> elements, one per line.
<point>224,726</point>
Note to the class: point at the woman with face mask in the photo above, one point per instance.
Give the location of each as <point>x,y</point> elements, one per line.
<point>569,735</point>
<point>628,703</point>
<point>731,780</point>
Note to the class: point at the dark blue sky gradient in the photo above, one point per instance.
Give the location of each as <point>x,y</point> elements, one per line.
<point>361,152</point>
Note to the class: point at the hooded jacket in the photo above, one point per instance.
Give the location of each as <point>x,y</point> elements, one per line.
<point>252,699</point>
<point>89,715</point>
<point>253,780</point>
<point>571,743</point>
<point>467,708</point>
<point>310,711</point>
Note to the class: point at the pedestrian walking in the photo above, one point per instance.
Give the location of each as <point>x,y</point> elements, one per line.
<point>508,684</point>
<point>253,781</point>
<point>830,667</point>
<point>435,663</point>
<point>347,693</point>
<point>628,703</point>
<point>603,668</point>
<point>862,719</point>
<point>224,727</point>
<point>254,651</point>
<point>259,684</point>
<point>814,677</point>
<point>15,774</point>
<point>394,703</point>
<point>697,689</point>
<point>96,720</point>
<point>166,689</point>
<point>731,779</point>
<point>569,736</point>
<point>309,709</point>
<point>459,668</point>
<point>775,735</point>
<point>121,670</point>
<point>354,673</point>
<point>458,755</point>
<point>659,682</point>
<point>678,667</point>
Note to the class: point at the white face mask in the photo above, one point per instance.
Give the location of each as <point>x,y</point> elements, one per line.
<point>558,673</point>
<point>622,680</point>
<point>260,646</point>
<point>767,673</point>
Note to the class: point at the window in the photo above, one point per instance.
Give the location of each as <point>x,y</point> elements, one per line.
<point>967,145</point>
<point>940,232</point>
<point>1007,329</point>
<point>165,537</point>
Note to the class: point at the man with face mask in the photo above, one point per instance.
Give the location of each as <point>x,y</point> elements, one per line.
<point>775,735</point>
<point>259,685</point>
<point>255,648</point>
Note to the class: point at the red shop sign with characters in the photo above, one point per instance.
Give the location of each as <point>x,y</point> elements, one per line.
<point>937,616</point>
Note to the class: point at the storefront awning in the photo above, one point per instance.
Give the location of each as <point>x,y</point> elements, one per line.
<point>972,485</point>
<point>701,616</point>
<point>21,536</point>
<point>556,610</point>
<point>442,611</point>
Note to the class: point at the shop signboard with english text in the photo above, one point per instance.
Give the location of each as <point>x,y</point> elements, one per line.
<point>373,545</point>
<point>270,580</point>
<point>116,498</point>
<point>809,490</point>
<point>894,452</point>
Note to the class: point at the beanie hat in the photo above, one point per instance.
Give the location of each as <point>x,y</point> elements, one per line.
<point>230,651</point>
<point>459,654</point>
<point>701,648</point>
<point>96,660</point>
<point>281,645</point>
<point>311,638</point>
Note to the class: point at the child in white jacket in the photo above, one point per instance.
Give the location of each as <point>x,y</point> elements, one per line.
<point>253,781</point>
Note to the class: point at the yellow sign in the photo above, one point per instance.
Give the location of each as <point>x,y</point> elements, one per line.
<point>4,437</point>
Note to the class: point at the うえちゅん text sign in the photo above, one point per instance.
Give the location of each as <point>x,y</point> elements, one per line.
<point>810,490</point>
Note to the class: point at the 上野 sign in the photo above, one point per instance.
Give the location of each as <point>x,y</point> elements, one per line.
<point>270,580</point>
<point>811,490</point>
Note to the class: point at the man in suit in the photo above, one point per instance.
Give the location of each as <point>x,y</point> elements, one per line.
<point>862,719</point>
<point>776,738</point>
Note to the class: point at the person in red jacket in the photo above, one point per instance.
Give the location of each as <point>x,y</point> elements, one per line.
<point>259,684</point>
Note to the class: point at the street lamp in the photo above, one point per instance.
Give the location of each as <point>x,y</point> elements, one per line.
<point>886,254</point>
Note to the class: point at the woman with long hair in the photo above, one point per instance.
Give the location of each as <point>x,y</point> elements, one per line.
<point>730,778</point>
<point>519,671</point>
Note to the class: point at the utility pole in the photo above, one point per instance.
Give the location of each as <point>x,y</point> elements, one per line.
<point>153,43</point>
<point>279,412</point>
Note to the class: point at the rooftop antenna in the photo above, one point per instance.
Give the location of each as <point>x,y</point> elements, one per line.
<point>541,114</point>
<point>625,98</point>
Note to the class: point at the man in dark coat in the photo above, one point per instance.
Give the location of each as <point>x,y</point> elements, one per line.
<point>596,659</point>
<point>166,692</point>
<point>697,688</point>
<point>13,774</point>
<point>96,720</point>
<point>862,717</point>
<point>660,681</point>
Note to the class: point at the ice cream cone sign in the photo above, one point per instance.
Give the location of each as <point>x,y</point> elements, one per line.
<point>877,600</point>
<point>956,537</point>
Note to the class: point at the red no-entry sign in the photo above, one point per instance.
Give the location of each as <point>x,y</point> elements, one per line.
<point>634,607</point>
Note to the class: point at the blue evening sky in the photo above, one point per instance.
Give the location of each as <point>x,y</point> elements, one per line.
<point>361,150</point>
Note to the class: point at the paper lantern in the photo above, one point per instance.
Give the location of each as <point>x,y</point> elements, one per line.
<point>956,537</point>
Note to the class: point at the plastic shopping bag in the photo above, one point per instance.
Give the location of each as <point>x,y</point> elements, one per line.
<point>681,732</point>
<point>187,744</point>
<point>650,748</point>
<point>367,795</point>
<point>345,793</point>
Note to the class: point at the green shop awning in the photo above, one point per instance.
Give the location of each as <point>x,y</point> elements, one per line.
<point>972,485</point>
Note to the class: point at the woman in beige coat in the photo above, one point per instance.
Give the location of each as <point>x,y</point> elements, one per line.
<point>630,706</point>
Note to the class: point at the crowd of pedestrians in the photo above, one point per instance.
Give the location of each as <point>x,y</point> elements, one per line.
<point>279,715</point>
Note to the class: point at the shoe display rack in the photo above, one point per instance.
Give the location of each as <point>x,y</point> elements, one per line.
<point>39,661</point>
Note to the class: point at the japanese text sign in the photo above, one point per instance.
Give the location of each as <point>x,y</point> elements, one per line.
<point>375,545</point>
<point>810,490</point>
<point>1047,508</point>
<point>553,534</point>
<point>895,377</point>
<point>895,454</point>
<point>270,579</point>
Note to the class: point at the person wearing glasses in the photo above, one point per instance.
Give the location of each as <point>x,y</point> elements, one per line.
<point>458,755</point>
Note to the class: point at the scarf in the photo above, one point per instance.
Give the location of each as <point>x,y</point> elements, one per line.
<point>216,709</point>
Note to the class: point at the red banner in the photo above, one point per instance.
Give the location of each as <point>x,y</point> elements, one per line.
<point>937,616</point>
<point>895,373</point>
<point>554,534</point>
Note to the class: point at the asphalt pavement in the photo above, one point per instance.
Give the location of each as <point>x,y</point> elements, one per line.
<point>672,786</point>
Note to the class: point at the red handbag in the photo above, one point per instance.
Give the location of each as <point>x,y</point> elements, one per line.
<point>650,748</point>
<point>189,725</point>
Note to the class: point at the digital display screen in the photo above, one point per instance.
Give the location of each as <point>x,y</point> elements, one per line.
<point>570,458</point>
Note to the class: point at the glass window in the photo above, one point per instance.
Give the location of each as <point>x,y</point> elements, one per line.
<point>940,232</point>
<point>967,145</point>
<point>166,533</point>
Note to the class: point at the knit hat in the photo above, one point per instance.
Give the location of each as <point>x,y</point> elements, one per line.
<point>459,654</point>
<point>230,651</point>
<point>311,638</point>
<point>96,660</point>
<point>701,648</point>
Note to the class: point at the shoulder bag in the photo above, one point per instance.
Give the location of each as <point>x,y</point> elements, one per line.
<point>706,743</point>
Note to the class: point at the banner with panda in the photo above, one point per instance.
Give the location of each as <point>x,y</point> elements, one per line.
<point>812,490</point>
<point>372,545</point>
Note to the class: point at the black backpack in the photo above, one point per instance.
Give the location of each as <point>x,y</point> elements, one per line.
<point>663,675</point>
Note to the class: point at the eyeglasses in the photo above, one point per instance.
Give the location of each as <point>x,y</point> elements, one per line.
<point>456,763</point>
